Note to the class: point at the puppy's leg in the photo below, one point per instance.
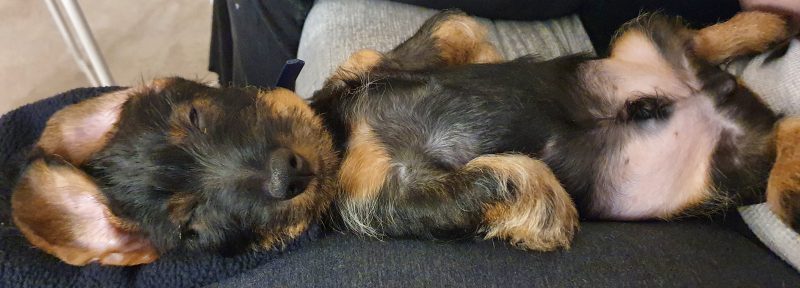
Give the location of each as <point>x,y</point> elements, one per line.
<point>783,188</point>
<point>511,197</point>
<point>746,33</point>
<point>446,39</point>
<point>536,212</point>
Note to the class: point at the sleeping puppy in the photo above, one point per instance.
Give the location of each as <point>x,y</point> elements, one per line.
<point>123,177</point>
<point>442,139</point>
<point>433,147</point>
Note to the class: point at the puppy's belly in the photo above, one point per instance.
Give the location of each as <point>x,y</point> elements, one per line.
<point>663,168</point>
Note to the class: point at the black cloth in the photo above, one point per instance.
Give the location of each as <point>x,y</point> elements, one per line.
<point>602,18</point>
<point>252,39</point>
<point>21,265</point>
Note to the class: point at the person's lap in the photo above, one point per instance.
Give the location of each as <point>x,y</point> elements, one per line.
<point>652,254</point>
<point>336,28</point>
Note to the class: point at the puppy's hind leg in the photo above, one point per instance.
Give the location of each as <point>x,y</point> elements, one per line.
<point>536,212</point>
<point>746,33</point>
<point>507,196</point>
<point>446,39</point>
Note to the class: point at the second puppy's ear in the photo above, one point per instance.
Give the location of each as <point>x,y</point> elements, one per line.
<point>79,130</point>
<point>60,210</point>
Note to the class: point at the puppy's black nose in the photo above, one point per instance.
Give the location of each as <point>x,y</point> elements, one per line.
<point>289,175</point>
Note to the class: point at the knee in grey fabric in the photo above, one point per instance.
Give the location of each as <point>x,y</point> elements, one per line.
<point>778,83</point>
<point>336,28</point>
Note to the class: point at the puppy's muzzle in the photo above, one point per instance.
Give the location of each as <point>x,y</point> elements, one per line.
<point>289,175</point>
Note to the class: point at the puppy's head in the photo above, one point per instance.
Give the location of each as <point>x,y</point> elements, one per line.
<point>125,176</point>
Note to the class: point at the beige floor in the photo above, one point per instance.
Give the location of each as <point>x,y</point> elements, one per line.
<point>141,39</point>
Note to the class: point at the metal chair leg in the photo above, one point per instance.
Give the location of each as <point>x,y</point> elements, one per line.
<point>80,41</point>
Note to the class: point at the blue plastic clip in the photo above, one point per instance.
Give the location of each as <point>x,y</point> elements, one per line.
<point>289,73</point>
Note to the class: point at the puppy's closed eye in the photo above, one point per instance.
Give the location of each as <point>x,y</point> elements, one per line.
<point>192,118</point>
<point>197,115</point>
<point>195,119</point>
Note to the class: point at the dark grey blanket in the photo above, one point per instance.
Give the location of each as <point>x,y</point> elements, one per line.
<point>21,265</point>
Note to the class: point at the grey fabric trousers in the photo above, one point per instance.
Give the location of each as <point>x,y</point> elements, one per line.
<point>336,28</point>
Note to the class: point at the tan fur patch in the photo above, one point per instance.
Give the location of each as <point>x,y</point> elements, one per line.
<point>365,165</point>
<point>79,130</point>
<point>360,62</point>
<point>284,103</point>
<point>61,211</point>
<point>746,33</point>
<point>180,207</point>
<point>159,85</point>
<point>280,239</point>
<point>541,216</point>
<point>462,40</point>
<point>784,178</point>
<point>181,121</point>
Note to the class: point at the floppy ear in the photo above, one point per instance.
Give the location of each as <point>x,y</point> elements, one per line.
<point>61,211</point>
<point>79,130</point>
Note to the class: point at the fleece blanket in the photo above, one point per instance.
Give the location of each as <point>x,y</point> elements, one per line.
<point>21,265</point>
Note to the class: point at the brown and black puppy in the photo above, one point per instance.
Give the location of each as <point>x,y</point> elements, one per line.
<point>436,146</point>
<point>123,177</point>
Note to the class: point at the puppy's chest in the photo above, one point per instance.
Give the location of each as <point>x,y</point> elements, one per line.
<point>435,124</point>
<point>661,168</point>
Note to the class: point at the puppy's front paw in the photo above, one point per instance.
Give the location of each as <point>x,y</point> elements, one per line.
<point>783,188</point>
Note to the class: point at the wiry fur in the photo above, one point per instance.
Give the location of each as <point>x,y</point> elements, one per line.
<point>176,164</point>
<point>654,131</point>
